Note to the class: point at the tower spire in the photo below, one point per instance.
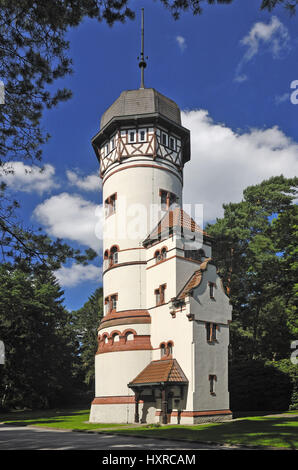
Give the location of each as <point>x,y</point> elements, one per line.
<point>142,63</point>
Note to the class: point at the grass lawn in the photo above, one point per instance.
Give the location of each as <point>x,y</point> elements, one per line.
<point>252,431</point>
<point>60,419</point>
<point>272,431</point>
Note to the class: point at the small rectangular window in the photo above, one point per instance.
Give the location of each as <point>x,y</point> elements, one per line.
<point>172,143</point>
<point>211,290</point>
<point>114,302</point>
<point>164,139</point>
<point>160,294</point>
<point>106,149</point>
<point>110,205</point>
<point>112,143</point>
<point>142,135</point>
<point>157,296</point>
<point>212,380</point>
<point>211,332</point>
<point>131,136</point>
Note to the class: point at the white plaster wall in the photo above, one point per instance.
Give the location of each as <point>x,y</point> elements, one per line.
<point>122,413</point>
<point>136,188</point>
<point>180,331</point>
<point>211,359</point>
<point>114,370</point>
<point>129,282</point>
<point>141,329</point>
<point>218,310</point>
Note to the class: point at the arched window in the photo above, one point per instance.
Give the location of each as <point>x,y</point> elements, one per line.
<point>114,255</point>
<point>162,350</point>
<point>116,338</point>
<point>105,339</point>
<point>170,347</point>
<point>106,259</point>
<point>157,256</point>
<point>163,253</point>
<point>129,336</point>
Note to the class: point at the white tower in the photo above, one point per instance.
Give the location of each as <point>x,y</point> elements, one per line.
<point>154,361</point>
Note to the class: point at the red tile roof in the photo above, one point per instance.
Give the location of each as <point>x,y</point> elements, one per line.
<point>173,218</point>
<point>164,370</point>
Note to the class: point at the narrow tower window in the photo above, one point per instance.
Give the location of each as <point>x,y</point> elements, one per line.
<point>110,205</point>
<point>131,136</point>
<point>113,255</point>
<point>211,332</point>
<point>212,380</point>
<point>172,143</point>
<point>211,290</point>
<point>160,294</point>
<point>142,135</point>
<point>164,139</point>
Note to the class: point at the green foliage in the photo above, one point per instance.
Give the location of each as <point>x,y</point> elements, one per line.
<point>40,346</point>
<point>85,323</point>
<point>255,252</point>
<point>258,386</point>
<point>196,6</point>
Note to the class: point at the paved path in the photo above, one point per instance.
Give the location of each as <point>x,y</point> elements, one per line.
<point>18,437</point>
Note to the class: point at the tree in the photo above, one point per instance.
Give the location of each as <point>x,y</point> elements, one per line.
<point>196,6</point>
<point>85,323</point>
<point>33,54</point>
<point>40,346</point>
<point>255,247</point>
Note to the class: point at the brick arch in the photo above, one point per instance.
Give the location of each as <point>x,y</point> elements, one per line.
<point>129,330</point>
<point>115,332</point>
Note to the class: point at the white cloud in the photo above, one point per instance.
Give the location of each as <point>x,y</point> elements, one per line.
<point>274,36</point>
<point>26,178</point>
<point>87,183</point>
<point>181,43</point>
<point>77,273</point>
<point>279,99</point>
<point>225,162</point>
<point>71,217</point>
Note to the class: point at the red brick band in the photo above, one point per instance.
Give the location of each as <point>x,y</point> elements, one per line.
<point>120,400</point>
<point>193,414</point>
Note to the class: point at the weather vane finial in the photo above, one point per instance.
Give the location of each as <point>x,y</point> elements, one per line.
<point>142,63</point>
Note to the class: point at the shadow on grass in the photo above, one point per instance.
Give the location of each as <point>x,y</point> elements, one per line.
<point>272,432</point>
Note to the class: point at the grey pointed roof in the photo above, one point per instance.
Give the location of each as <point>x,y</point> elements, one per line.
<point>142,101</point>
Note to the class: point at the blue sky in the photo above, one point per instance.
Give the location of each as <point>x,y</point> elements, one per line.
<point>230,70</point>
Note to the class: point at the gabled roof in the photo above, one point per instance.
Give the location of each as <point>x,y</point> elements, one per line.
<point>194,281</point>
<point>176,218</point>
<point>163,370</point>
